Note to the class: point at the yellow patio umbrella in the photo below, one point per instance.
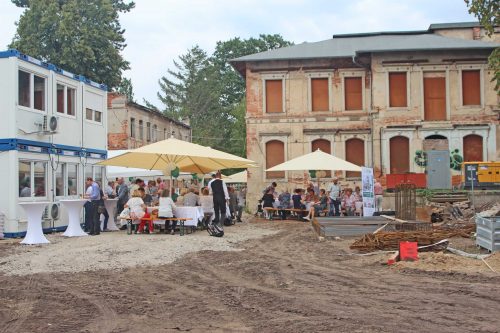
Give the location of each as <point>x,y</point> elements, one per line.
<point>171,153</point>
<point>317,160</point>
<point>240,177</point>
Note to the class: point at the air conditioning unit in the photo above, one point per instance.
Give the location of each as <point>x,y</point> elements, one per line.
<point>50,124</point>
<point>54,211</point>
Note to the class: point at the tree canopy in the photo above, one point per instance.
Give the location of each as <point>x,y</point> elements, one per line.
<point>488,13</point>
<point>207,90</point>
<point>82,36</point>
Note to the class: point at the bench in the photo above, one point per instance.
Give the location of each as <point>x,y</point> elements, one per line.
<point>155,218</point>
<point>292,210</point>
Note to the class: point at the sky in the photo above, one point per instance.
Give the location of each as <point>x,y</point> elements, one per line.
<point>157,32</point>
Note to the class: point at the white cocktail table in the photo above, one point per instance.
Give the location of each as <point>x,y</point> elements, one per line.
<point>110,205</point>
<point>74,207</point>
<point>34,212</point>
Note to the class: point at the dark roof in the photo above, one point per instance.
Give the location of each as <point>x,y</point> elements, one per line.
<point>157,113</point>
<point>455,25</point>
<point>343,46</point>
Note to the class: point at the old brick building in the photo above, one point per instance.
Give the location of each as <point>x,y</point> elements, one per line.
<point>131,125</point>
<point>376,99</point>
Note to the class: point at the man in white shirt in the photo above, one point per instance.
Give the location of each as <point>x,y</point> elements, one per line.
<point>334,194</point>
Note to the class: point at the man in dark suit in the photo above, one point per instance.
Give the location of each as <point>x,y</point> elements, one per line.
<point>220,196</point>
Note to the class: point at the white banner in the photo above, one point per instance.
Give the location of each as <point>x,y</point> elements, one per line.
<point>367,191</point>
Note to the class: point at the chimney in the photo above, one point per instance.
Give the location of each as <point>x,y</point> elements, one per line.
<point>476,33</point>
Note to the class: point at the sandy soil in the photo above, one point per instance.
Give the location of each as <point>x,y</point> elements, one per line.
<point>282,282</point>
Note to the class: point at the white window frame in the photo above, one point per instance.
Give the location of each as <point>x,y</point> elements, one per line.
<point>32,179</point>
<point>471,67</point>
<point>140,124</point>
<point>408,89</point>
<point>148,131</point>
<point>32,90</point>
<point>65,100</point>
<point>269,77</point>
<point>154,133</point>
<point>93,121</point>
<point>319,75</point>
<point>349,74</point>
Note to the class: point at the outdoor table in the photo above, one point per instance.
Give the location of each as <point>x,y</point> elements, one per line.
<point>110,205</point>
<point>34,211</point>
<point>74,207</point>
<point>194,213</point>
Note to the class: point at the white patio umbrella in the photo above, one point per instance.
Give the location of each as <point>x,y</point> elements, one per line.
<point>169,154</point>
<point>317,160</point>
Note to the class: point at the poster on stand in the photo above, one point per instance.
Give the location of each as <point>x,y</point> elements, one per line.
<point>367,191</point>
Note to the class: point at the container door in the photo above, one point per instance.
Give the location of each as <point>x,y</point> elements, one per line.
<point>438,169</point>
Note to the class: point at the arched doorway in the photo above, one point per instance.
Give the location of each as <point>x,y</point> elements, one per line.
<point>354,153</point>
<point>275,154</point>
<point>324,146</point>
<point>399,147</point>
<point>473,148</point>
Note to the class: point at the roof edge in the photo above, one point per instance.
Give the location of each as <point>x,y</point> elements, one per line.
<point>382,33</point>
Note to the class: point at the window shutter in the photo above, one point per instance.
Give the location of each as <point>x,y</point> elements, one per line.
<point>397,89</point>
<point>353,93</point>
<point>324,146</point>
<point>399,154</point>
<point>354,153</point>
<point>319,94</point>
<point>471,93</point>
<point>473,148</point>
<point>435,98</point>
<point>275,154</point>
<point>274,96</point>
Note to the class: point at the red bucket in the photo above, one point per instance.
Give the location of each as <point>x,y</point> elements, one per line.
<point>408,251</point>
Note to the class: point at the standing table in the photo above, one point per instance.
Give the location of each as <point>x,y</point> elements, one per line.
<point>74,207</point>
<point>34,212</point>
<point>110,205</point>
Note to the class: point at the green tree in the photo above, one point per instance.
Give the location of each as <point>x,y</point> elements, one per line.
<point>488,13</point>
<point>234,84</point>
<point>82,36</point>
<point>208,91</point>
<point>125,88</point>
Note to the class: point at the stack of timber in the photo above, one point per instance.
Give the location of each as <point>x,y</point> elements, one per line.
<point>385,240</point>
<point>356,226</point>
<point>450,197</point>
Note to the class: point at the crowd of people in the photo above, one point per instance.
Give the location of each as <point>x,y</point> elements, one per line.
<point>314,201</point>
<point>136,197</point>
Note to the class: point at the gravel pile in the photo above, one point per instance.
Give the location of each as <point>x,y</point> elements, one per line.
<point>117,250</point>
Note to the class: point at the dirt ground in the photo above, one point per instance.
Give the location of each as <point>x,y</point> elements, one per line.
<point>284,282</point>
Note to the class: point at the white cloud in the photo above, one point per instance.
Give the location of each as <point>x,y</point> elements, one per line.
<point>157,32</point>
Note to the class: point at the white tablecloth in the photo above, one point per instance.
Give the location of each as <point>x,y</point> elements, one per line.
<point>194,213</point>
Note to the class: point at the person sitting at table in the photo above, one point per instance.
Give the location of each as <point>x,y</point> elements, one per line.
<point>207,203</point>
<point>191,199</point>
<point>267,201</point>
<point>297,202</point>
<point>318,206</point>
<point>136,206</point>
<point>166,209</point>
<point>284,199</point>
<point>348,202</point>
<point>180,198</point>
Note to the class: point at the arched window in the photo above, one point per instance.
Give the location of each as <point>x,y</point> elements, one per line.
<point>473,148</point>
<point>324,146</point>
<point>275,154</point>
<point>399,147</point>
<point>355,153</point>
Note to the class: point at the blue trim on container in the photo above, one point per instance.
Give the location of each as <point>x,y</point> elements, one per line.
<point>45,231</point>
<point>15,53</point>
<point>47,147</point>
